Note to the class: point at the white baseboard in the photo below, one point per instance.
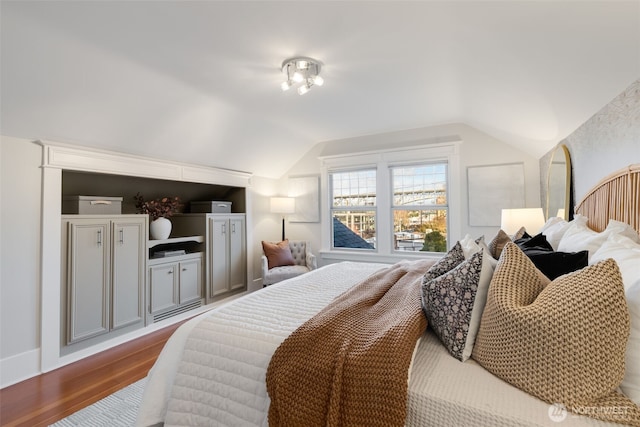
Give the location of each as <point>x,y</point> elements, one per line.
<point>255,285</point>
<point>19,367</point>
<point>26,365</point>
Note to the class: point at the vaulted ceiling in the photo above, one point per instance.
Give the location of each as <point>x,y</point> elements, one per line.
<point>199,81</point>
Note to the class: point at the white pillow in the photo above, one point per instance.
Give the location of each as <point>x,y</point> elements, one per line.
<point>554,231</point>
<point>624,229</point>
<point>483,245</point>
<point>551,221</point>
<point>579,237</point>
<point>626,254</point>
<point>469,246</point>
<point>630,385</point>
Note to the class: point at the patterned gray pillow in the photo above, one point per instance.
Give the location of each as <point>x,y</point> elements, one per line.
<point>453,258</point>
<point>453,303</point>
<point>447,263</point>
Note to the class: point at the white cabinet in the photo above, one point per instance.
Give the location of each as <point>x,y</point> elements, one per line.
<point>190,286</point>
<point>128,266</point>
<point>227,254</point>
<point>103,274</point>
<point>225,250</point>
<point>163,285</point>
<point>174,283</point>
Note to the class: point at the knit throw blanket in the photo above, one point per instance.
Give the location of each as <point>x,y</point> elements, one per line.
<point>348,365</point>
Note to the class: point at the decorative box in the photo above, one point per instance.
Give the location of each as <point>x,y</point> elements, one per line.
<point>211,207</point>
<point>92,205</point>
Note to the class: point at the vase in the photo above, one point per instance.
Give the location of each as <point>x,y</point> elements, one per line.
<point>160,229</point>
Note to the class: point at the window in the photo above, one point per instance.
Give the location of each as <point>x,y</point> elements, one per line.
<point>419,206</point>
<point>353,209</point>
<point>418,201</point>
<point>391,204</point>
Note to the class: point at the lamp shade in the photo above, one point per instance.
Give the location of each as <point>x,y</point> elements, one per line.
<point>283,205</point>
<point>532,219</point>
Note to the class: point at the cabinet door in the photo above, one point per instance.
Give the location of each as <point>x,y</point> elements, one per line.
<point>237,253</point>
<point>219,255</point>
<point>127,271</point>
<point>190,280</point>
<point>163,279</point>
<point>87,278</point>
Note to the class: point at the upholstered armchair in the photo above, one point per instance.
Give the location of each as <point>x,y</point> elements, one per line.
<point>303,262</point>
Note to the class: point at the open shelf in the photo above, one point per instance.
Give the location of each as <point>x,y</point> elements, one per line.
<point>174,240</point>
<point>174,258</point>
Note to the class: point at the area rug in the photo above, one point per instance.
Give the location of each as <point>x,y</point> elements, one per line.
<point>116,410</point>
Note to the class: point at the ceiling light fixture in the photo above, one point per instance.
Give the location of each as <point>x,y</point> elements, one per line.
<point>302,71</point>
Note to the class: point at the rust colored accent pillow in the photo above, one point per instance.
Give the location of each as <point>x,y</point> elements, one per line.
<point>497,244</point>
<point>278,254</point>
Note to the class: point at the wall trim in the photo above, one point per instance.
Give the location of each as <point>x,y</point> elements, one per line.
<point>19,367</point>
<point>329,257</point>
<point>256,284</point>
<point>57,157</point>
<point>110,343</point>
<point>70,157</point>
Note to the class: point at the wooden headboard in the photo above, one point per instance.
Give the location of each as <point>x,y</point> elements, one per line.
<point>615,197</point>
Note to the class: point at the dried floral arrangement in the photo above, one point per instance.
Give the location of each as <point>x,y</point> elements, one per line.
<point>163,207</point>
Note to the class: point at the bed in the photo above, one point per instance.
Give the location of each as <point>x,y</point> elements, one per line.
<point>212,370</point>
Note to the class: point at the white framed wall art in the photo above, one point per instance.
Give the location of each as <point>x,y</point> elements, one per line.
<point>306,190</point>
<point>492,188</point>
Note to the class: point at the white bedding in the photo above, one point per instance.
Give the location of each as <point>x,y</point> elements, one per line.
<point>212,370</point>
<point>446,392</point>
<point>241,336</point>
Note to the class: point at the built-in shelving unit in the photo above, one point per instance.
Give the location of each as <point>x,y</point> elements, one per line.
<point>73,170</point>
<point>175,274</point>
<point>165,250</point>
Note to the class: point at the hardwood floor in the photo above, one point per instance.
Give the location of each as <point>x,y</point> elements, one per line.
<point>49,397</point>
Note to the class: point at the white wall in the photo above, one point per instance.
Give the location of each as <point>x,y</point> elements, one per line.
<point>477,149</point>
<point>607,142</point>
<point>309,164</point>
<point>20,202</point>
<point>266,226</point>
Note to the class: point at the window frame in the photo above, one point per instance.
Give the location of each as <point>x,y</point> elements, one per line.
<point>351,208</point>
<point>382,160</point>
<point>394,208</point>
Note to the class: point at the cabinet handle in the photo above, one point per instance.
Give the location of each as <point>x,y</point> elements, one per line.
<point>233,228</point>
<point>170,272</point>
<point>121,236</point>
<point>99,238</point>
<point>184,269</point>
<point>224,228</point>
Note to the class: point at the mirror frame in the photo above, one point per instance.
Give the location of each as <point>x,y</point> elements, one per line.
<point>568,212</point>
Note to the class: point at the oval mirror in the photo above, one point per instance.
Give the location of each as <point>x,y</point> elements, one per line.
<point>559,184</point>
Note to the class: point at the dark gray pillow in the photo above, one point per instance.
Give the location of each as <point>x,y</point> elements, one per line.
<point>550,263</point>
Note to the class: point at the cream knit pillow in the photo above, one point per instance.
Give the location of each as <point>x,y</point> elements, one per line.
<point>564,342</point>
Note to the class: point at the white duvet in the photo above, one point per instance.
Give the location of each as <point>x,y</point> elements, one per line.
<point>212,370</point>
